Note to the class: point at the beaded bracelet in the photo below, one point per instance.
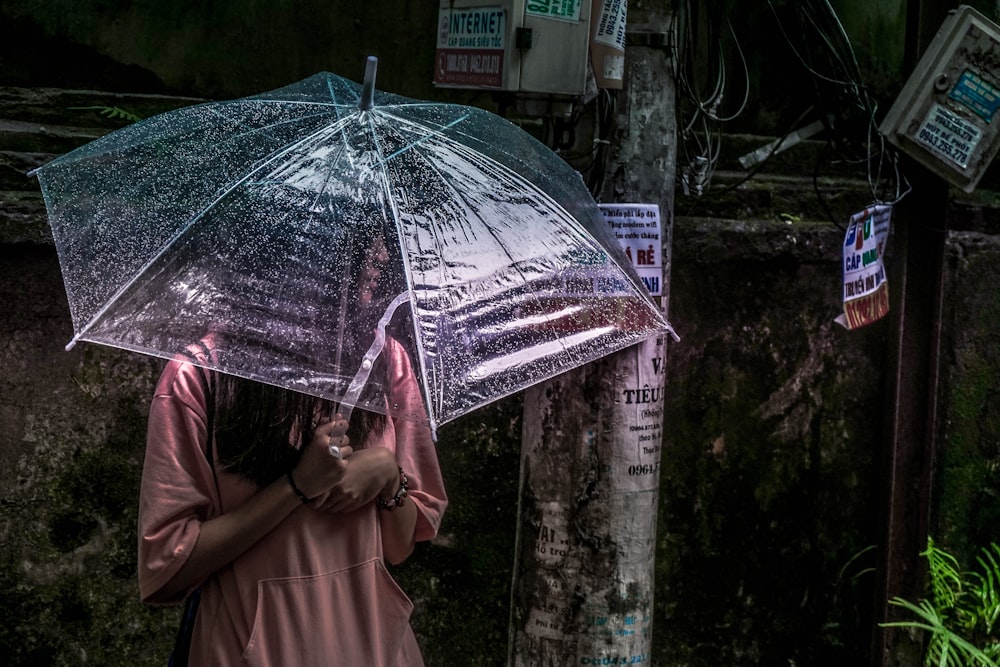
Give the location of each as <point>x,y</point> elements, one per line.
<point>398,499</point>
<point>296,489</point>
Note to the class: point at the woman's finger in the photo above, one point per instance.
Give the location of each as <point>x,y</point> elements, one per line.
<point>335,427</point>
<point>340,451</point>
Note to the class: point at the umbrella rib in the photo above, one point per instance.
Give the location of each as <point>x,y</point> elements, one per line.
<point>436,133</point>
<point>439,397</point>
<point>516,182</point>
<point>195,218</point>
<point>333,95</point>
<point>459,195</point>
<point>431,135</point>
<point>394,213</point>
<point>266,128</point>
<point>520,182</point>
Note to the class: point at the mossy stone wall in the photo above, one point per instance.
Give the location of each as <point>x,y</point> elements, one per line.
<point>968,470</point>
<point>767,493</point>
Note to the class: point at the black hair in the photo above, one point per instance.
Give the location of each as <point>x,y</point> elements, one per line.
<point>255,421</point>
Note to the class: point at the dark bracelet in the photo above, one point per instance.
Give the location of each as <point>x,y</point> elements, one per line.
<point>398,499</point>
<point>296,489</point>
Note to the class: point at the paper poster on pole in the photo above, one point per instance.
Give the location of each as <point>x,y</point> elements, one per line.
<point>865,288</point>
<point>639,230</point>
<point>635,457</point>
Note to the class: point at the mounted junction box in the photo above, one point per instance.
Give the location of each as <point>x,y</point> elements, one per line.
<point>945,116</point>
<point>533,47</point>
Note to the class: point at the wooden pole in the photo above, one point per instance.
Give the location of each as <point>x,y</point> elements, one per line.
<point>916,278</point>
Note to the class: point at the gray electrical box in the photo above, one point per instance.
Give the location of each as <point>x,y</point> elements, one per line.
<point>945,116</point>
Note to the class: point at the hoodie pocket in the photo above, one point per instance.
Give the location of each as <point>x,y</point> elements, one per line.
<point>358,615</point>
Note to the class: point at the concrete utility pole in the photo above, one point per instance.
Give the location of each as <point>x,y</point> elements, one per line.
<point>584,569</point>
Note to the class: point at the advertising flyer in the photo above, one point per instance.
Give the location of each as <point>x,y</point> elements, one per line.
<point>610,23</point>
<point>949,135</point>
<point>639,230</point>
<point>865,288</point>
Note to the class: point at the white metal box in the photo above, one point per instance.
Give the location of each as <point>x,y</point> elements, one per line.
<point>945,115</point>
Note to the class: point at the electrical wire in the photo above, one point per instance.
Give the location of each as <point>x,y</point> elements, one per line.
<point>605,111</point>
<point>562,136</point>
<point>774,149</point>
<point>839,83</point>
<point>817,39</point>
<point>700,115</point>
<point>705,51</point>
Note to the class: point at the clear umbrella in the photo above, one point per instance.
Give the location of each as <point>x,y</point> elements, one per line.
<point>298,228</point>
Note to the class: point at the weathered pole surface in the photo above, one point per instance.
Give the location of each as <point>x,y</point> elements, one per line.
<point>916,278</point>
<point>584,568</point>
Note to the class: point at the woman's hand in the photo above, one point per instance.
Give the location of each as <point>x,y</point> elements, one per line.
<point>318,471</point>
<point>347,483</point>
<point>227,536</point>
<point>368,473</point>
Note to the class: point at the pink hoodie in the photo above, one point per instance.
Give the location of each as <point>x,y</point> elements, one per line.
<point>314,591</point>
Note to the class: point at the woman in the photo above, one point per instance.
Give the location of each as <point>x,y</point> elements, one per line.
<point>286,541</point>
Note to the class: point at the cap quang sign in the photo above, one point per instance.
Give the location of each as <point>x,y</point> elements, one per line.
<point>865,288</point>
<point>470,47</point>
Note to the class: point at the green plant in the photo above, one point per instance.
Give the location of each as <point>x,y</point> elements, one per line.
<point>960,612</point>
<point>112,112</point>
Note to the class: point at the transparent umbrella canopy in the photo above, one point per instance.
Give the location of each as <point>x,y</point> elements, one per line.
<point>297,229</point>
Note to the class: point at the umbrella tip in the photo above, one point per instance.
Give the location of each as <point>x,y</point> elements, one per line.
<point>368,89</point>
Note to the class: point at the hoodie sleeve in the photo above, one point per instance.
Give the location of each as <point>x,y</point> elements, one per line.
<point>178,490</point>
<point>415,450</point>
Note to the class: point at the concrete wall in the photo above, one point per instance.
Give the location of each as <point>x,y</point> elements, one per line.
<point>774,414</point>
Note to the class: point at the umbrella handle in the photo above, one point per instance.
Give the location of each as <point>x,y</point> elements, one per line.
<point>368,87</point>
<point>368,361</point>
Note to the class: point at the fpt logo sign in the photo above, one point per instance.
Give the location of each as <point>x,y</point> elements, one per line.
<point>860,249</point>
<point>856,237</point>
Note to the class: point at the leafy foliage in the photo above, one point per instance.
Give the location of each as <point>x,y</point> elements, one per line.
<point>960,612</point>
<point>112,112</point>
